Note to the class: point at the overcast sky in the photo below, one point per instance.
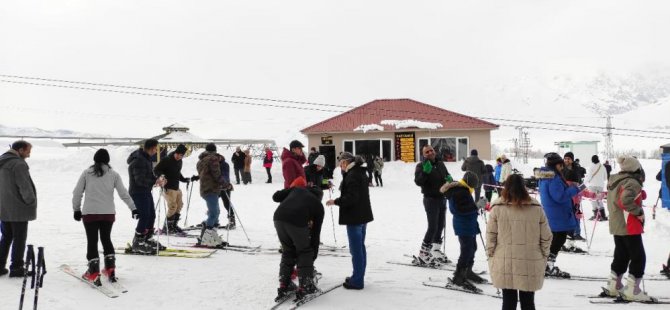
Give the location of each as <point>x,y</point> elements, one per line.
<point>483,58</point>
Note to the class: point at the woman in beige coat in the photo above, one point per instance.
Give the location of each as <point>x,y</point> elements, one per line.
<point>247,168</point>
<point>517,244</point>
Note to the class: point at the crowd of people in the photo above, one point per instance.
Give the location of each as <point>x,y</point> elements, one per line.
<point>518,268</point>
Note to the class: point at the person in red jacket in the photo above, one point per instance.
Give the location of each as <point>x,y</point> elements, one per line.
<point>267,163</point>
<point>292,161</point>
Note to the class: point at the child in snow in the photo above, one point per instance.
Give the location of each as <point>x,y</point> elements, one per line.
<point>464,209</point>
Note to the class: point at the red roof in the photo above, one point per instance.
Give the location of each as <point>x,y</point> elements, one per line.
<point>397,109</point>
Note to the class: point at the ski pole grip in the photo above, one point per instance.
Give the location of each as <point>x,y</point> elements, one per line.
<point>42,263</point>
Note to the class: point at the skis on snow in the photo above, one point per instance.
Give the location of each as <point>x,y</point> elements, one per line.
<point>112,293</point>
<point>450,286</point>
<point>281,303</point>
<point>169,252</point>
<point>605,295</point>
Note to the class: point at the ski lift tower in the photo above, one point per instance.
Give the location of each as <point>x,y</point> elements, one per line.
<point>609,148</point>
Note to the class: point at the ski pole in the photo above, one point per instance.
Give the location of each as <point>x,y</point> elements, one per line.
<point>597,219</point>
<point>188,202</point>
<point>653,211</point>
<point>30,261</point>
<point>227,230</point>
<point>167,227</point>
<point>232,207</point>
<point>332,217</point>
<point>444,229</point>
<point>41,271</point>
<point>158,219</point>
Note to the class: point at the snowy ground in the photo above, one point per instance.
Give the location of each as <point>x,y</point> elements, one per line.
<point>239,281</point>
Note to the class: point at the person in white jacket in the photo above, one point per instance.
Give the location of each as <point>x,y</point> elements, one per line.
<point>595,179</point>
<point>506,169</point>
<point>96,185</point>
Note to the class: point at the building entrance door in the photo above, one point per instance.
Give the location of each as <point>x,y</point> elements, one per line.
<point>328,151</point>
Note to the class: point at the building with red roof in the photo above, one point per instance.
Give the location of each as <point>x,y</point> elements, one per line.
<point>396,129</point>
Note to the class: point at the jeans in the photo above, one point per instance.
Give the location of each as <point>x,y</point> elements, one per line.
<point>213,210</point>
<point>578,228</point>
<point>144,202</point>
<point>629,255</point>
<point>359,256</point>
<point>14,234</point>
<point>92,230</point>
<point>468,249</point>
<point>510,299</point>
<point>436,209</point>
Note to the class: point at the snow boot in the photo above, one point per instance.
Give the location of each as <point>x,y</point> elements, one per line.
<point>93,273</point>
<point>552,271</point>
<point>149,240</point>
<point>461,279</point>
<point>424,256</point>
<point>475,278</point>
<point>286,287</point>
<point>614,285</point>
<point>209,238</point>
<point>437,255</point>
<point>306,287</point>
<point>603,216</point>
<point>595,215</point>
<point>140,245</point>
<point>110,267</point>
<point>633,292</point>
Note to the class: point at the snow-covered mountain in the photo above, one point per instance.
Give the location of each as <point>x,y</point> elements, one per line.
<point>34,131</point>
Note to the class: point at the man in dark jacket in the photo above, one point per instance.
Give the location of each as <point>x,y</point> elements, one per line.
<point>314,176</point>
<point>572,172</point>
<point>608,168</point>
<point>355,212</point>
<point>430,175</point>
<point>476,166</point>
<point>142,180</point>
<point>298,221</point>
<point>292,161</point>
<point>170,167</point>
<point>226,192</point>
<point>18,206</point>
<point>238,163</point>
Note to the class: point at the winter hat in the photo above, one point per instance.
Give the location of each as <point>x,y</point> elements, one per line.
<point>181,149</point>
<point>474,152</point>
<point>470,179</point>
<point>348,157</point>
<point>299,182</point>
<point>553,159</point>
<point>569,154</point>
<point>320,161</point>
<point>595,159</point>
<point>628,163</point>
<point>101,156</point>
<point>210,147</point>
<point>294,144</point>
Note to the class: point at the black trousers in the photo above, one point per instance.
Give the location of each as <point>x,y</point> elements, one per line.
<point>488,195</point>
<point>629,255</point>
<point>478,192</point>
<point>267,169</point>
<point>558,241</point>
<point>14,234</point>
<point>238,171</point>
<point>104,230</point>
<point>511,297</point>
<point>296,250</point>
<point>435,213</point>
<point>225,198</point>
<point>369,176</point>
<point>378,179</point>
<point>468,249</point>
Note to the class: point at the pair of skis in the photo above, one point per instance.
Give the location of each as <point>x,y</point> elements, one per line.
<point>300,302</point>
<point>605,298</point>
<point>112,288</point>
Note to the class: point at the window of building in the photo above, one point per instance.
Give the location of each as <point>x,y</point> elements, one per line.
<point>349,146</point>
<point>447,148</point>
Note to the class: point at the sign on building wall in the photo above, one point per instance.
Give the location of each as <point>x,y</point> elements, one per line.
<point>327,140</point>
<point>405,146</point>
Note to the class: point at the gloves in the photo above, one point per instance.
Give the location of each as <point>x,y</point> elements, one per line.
<point>230,187</point>
<point>449,178</point>
<point>427,167</point>
<point>77,216</point>
<point>195,178</point>
<point>581,187</point>
<point>135,214</point>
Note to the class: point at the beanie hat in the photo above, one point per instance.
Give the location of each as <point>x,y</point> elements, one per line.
<point>101,156</point>
<point>595,159</point>
<point>299,182</point>
<point>474,152</point>
<point>553,159</point>
<point>628,163</point>
<point>569,154</point>
<point>210,147</point>
<point>320,161</point>
<point>181,149</point>
<point>471,179</point>
<point>348,157</point>
<point>294,144</point>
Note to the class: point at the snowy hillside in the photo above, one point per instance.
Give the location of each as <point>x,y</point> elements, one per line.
<point>233,280</point>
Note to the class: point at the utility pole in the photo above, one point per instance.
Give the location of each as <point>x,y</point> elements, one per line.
<point>609,148</point>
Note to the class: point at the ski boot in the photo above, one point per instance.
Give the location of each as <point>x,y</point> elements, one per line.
<point>475,277</point>
<point>140,246</point>
<point>231,223</point>
<point>306,287</point>
<point>210,239</point>
<point>553,271</point>
<point>110,266</point>
<point>437,255</point>
<point>666,271</point>
<point>18,272</point>
<point>286,287</point>
<point>595,215</point>
<point>424,258</point>
<point>92,275</point>
<point>614,285</point>
<point>149,240</point>
<point>460,279</point>
<point>633,292</point>
<point>175,225</point>
<point>603,216</point>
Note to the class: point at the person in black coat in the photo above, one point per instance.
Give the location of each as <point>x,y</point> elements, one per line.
<point>170,167</point>
<point>355,212</point>
<point>298,221</point>
<point>430,175</point>
<point>572,172</point>
<point>238,163</point>
<point>314,174</point>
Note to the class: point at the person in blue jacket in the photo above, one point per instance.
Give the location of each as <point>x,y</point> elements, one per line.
<point>498,171</point>
<point>464,209</point>
<point>556,196</point>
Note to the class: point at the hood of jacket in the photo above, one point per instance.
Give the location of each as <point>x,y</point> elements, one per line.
<point>9,157</point>
<point>615,179</point>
